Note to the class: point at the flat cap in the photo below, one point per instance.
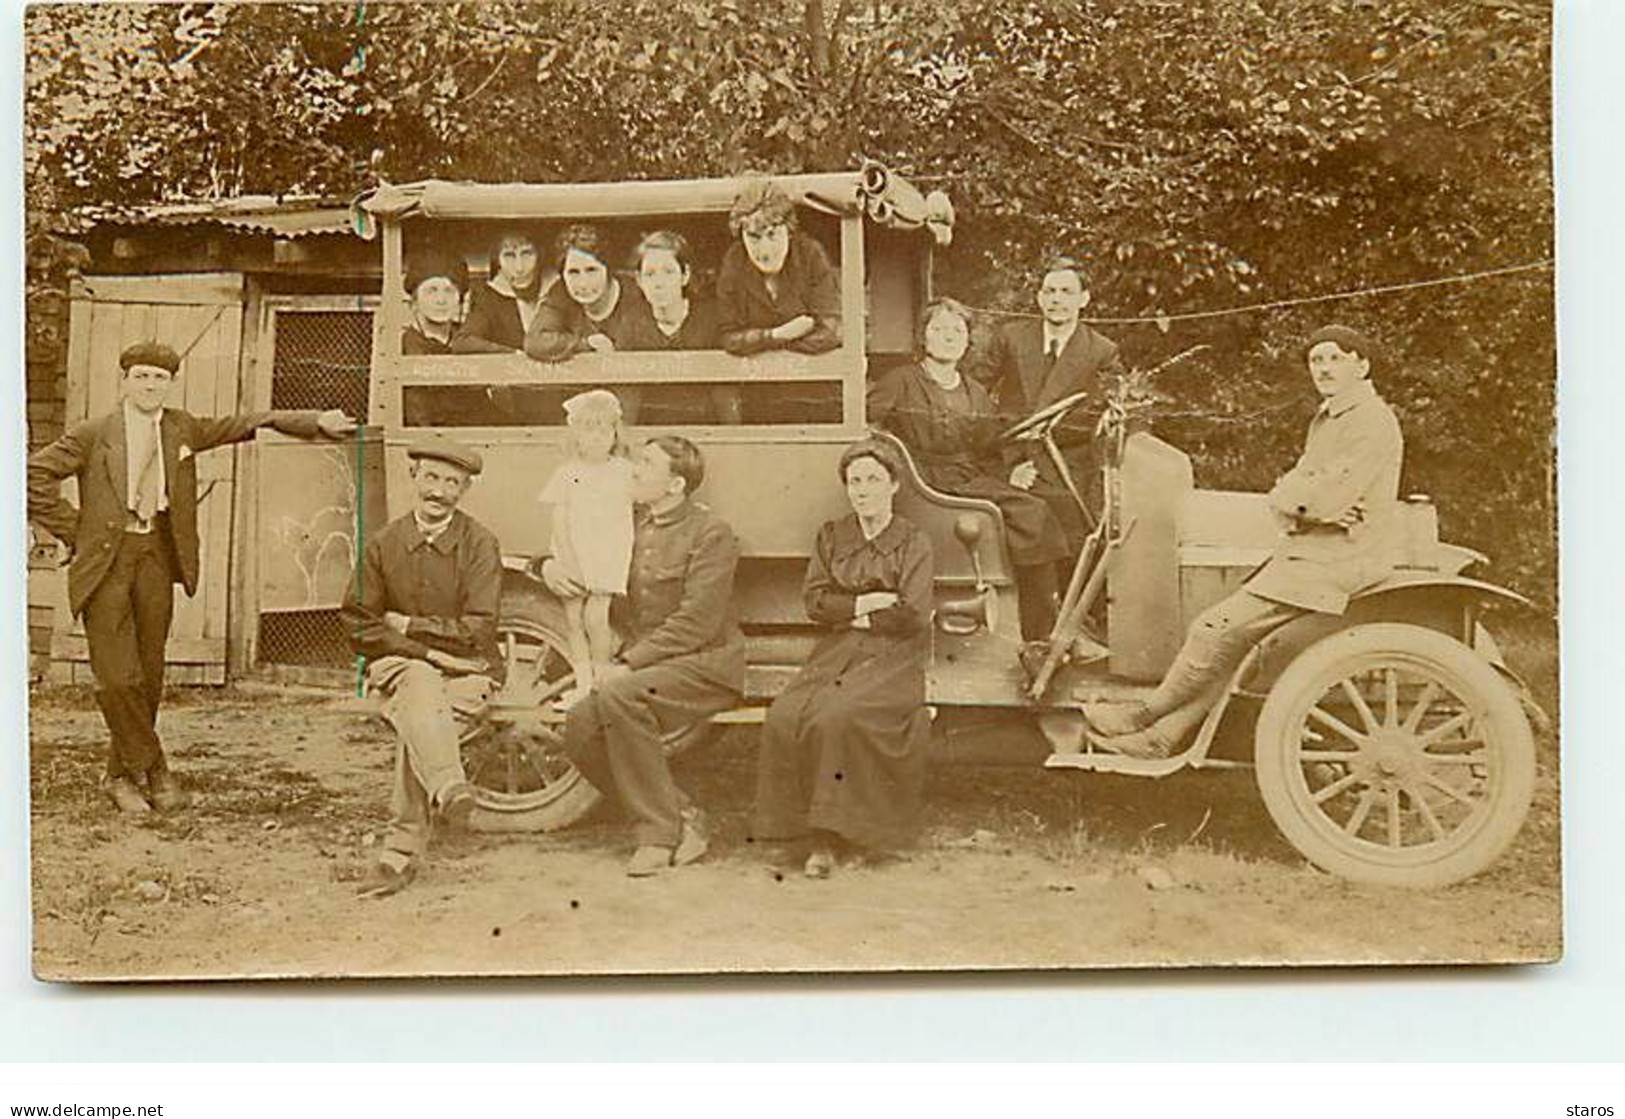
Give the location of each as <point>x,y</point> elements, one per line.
<point>436,446</point>
<point>150,353</point>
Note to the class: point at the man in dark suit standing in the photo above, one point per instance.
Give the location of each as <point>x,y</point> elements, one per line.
<point>133,536</point>
<point>1033,364</point>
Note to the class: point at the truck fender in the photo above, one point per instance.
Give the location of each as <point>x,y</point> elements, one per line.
<point>1443,602</point>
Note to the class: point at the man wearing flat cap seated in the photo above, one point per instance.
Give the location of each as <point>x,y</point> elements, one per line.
<point>1338,510</point>
<point>133,536</point>
<point>424,614</point>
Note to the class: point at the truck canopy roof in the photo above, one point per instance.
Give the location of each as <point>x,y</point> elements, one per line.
<point>884,197</point>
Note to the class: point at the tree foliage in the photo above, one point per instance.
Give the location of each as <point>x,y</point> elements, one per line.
<point>1201,154</point>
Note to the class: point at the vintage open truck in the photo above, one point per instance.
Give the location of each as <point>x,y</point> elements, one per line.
<point>1390,744</point>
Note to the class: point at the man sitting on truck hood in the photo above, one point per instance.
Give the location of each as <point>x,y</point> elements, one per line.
<point>1338,510</point>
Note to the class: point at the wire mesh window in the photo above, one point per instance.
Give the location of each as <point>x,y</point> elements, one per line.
<point>321,360</point>
<point>306,638</point>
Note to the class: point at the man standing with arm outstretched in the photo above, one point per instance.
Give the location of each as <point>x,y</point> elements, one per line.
<point>132,538</point>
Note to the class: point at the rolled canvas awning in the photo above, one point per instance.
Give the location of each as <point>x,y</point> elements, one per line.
<point>883,196</point>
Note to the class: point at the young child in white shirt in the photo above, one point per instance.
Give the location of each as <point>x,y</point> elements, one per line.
<point>591,500</point>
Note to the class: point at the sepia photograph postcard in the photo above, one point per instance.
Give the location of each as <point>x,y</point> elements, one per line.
<point>692,486</point>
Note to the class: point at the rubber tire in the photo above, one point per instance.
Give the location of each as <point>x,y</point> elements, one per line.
<point>536,614</point>
<point>1479,843</point>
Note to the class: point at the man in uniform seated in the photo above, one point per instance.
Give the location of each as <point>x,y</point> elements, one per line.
<point>683,659</point>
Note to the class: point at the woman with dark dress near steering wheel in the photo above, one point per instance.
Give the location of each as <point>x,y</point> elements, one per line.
<point>949,424</point>
<point>843,747</point>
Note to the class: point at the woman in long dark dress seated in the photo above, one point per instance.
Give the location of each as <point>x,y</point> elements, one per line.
<point>674,316</point>
<point>502,308</point>
<point>435,282</point>
<point>776,289</point>
<point>582,313</point>
<point>949,424</point>
<point>843,748</point>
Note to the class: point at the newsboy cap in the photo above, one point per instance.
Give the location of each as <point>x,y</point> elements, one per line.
<point>150,353</point>
<point>438,447</point>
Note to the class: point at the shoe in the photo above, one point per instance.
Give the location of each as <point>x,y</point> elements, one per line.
<point>123,793</point>
<point>1032,655</point>
<point>166,792</point>
<point>1139,744</point>
<point>1113,719</point>
<point>457,803</point>
<point>694,840</point>
<point>646,861</point>
<point>820,863</point>
<point>382,880</point>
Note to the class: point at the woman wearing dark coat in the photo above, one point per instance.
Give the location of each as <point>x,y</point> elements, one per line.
<point>843,747</point>
<point>674,316</point>
<point>949,424</point>
<point>582,313</point>
<point>501,308</point>
<point>776,288</point>
<point>435,281</point>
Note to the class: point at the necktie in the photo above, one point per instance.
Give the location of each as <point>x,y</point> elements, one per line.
<point>1052,352</point>
<point>146,483</point>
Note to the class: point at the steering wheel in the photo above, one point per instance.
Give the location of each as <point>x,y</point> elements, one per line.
<point>1045,419</point>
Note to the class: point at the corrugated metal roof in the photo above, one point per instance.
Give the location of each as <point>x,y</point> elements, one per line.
<point>260,213</point>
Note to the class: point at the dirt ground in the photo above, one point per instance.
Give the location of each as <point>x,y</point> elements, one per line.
<point>1019,868</point>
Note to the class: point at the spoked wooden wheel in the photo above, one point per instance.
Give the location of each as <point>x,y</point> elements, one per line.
<point>522,778</point>
<point>1392,754</point>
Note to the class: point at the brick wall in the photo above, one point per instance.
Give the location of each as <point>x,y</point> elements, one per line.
<point>46,370</point>
<point>46,362</point>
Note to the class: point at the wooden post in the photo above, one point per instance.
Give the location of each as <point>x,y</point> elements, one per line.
<point>253,393</point>
<point>394,290</point>
<point>852,321</point>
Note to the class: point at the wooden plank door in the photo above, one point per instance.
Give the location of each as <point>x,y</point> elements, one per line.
<point>201,315</point>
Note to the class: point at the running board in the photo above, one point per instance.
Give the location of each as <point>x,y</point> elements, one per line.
<point>1101,762</point>
<point>1096,762</point>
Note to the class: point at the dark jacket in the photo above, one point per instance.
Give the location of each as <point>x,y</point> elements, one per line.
<point>95,452</point>
<point>561,328</point>
<point>636,330</point>
<point>1019,375</point>
<point>493,325</point>
<point>415,343</point>
<point>808,285</point>
<point>450,588</point>
<point>680,594</point>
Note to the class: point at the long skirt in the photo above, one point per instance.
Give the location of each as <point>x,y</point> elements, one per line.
<point>843,747</point>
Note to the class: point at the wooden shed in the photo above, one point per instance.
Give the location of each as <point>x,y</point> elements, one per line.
<point>270,302</point>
